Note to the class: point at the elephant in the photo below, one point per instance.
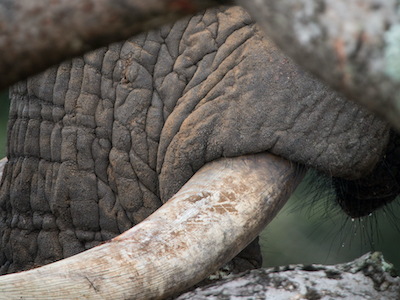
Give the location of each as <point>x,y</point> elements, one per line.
<point>100,142</point>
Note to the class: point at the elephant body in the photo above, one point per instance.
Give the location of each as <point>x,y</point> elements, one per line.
<point>98,143</point>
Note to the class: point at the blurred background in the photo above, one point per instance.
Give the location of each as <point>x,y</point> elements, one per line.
<point>312,229</point>
<point>4,107</point>
<point>309,229</point>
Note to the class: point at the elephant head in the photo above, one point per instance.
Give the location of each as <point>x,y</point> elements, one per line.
<point>98,143</point>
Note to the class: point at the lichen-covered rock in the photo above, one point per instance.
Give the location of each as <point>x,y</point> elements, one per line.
<point>368,277</point>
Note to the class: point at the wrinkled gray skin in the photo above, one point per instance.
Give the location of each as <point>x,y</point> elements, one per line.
<point>96,144</point>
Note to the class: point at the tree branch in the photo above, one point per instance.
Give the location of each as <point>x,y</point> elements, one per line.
<point>35,35</point>
<point>352,45</point>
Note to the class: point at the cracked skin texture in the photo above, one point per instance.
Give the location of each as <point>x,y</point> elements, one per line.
<point>98,143</point>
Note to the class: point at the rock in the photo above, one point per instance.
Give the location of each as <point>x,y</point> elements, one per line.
<point>367,277</point>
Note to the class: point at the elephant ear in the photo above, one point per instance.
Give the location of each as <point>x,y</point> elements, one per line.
<point>247,97</point>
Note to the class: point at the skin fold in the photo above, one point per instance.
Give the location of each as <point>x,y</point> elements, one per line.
<point>98,143</point>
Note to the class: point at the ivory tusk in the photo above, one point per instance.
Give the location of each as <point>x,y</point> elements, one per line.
<point>220,210</point>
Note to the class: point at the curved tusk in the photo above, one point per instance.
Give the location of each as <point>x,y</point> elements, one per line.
<point>3,162</point>
<point>220,210</point>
